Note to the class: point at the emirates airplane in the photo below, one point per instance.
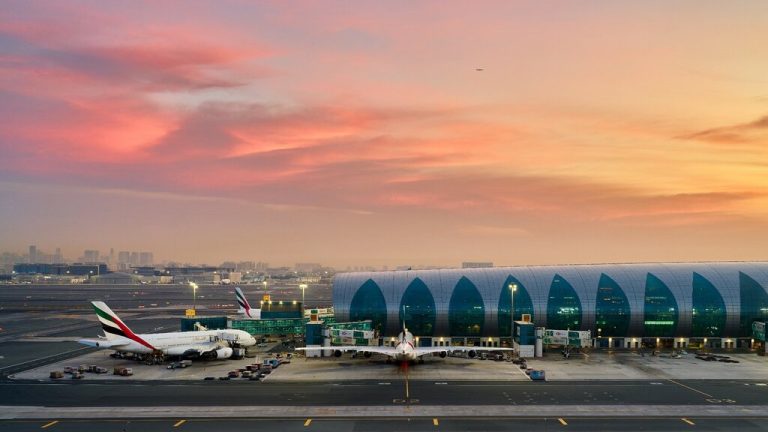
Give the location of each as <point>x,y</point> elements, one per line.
<point>405,350</point>
<point>206,344</point>
<point>245,308</point>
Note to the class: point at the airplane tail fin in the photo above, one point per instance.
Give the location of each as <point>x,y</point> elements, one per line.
<point>113,326</point>
<point>245,308</point>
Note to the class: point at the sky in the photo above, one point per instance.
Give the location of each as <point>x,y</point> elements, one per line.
<point>386,133</point>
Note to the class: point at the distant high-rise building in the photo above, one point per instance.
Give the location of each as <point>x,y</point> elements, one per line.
<point>32,254</point>
<point>261,266</point>
<point>58,258</point>
<point>472,264</point>
<point>146,259</point>
<point>91,256</point>
<point>134,260</point>
<point>245,266</point>
<point>123,257</point>
<point>307,267</point>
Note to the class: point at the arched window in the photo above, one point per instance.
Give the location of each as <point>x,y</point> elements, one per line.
<point>466,312</point>
<point>564,306</point>
<point>369,304</point>
<point>660,309</point>
<point>611,309</point>
<point>417,309</point>
<point>523,305</point>
<point>754,304</point>
<point>708,311</point>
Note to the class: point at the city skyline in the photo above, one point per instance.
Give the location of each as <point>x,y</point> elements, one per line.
<point>518,133</point>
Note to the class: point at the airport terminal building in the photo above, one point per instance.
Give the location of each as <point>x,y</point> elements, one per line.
<point>624,305</point>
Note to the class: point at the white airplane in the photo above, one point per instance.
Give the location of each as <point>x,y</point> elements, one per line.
<point>245,307</point>
<point>405,350</point>
<point>207,344</point>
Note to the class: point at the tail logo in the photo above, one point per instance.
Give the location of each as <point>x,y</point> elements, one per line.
<point>243,302</point>
<point>112,324</point>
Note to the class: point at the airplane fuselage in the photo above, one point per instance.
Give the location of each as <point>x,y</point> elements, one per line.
<point>405,350</point>
<point>174,342</point>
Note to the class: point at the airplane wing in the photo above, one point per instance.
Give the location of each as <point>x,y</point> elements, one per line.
<point>420,351</point>
<point>390,351</point>
<point>103,343</point>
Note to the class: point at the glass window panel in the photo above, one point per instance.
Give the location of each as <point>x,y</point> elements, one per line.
<point>466,312</point>
<point>754,304</point>
<point>523,305</point>
<point>369,304</point>
<point>611,309</point>
<point>564,306</point>
<point>660,309</point>
<point>417,309</point>
<point>708,312</point>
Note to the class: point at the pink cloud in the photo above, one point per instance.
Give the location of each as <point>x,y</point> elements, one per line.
<point>753,132</point>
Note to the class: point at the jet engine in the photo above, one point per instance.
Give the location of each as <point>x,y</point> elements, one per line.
<point>443,354</point>
<point>367,354</point>
<point>337,353</point>
<point>472,353</point>
<point>223,353</point>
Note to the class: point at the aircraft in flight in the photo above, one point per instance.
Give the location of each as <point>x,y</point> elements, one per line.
<point>205,344</point>
<point>406,350</point>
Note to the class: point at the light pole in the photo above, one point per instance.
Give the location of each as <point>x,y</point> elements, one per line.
<point>512,289</point>
<point>303,287</point>
<point>265,284</point>
<point>194,295</point>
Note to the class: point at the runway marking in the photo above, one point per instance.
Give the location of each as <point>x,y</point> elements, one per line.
<point>441,383</point>
<point>691,388</point>
<point>562,422</point>
<point>435,422</point>
<point>47,425</point>
<point>308,422</point>
<point>688,421</point>
<point>179,423</point>
<point>384,383</point>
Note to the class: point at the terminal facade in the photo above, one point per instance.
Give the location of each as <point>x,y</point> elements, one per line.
<point>624,305</point>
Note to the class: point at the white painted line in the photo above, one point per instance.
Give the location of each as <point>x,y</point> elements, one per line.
<point>690,388</point>
<point>44,358</point>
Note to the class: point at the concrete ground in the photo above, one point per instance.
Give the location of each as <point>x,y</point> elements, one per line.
<point>631,365</point>
<point>599,365</point>
<point>300,369</point>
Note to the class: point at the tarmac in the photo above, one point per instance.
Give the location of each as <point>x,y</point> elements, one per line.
<point>587,367</point>
<point>356,411</point>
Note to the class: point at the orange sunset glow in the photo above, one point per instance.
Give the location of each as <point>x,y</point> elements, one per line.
<point>387,133</point>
